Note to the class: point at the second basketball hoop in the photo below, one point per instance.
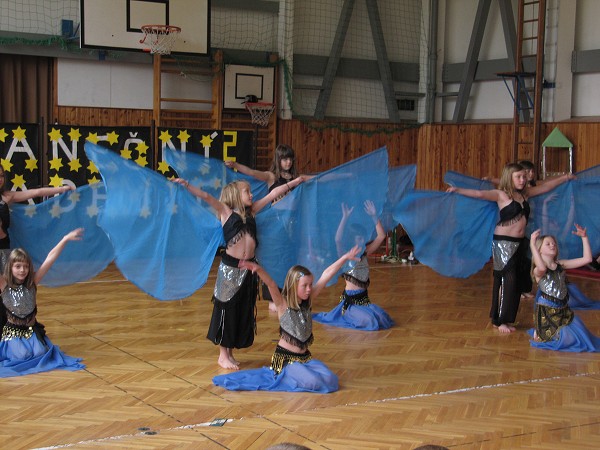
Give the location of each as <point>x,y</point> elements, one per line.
<point>160,39</point>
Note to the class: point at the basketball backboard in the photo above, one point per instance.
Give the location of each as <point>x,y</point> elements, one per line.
<point>116,24</point>
<point>241,81</point>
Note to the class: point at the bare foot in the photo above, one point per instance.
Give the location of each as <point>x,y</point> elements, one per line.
<point>505,329</point>
<point>536,337</point>
<point>272,307</point>
<point>226,363</point>
<point>231,358</point>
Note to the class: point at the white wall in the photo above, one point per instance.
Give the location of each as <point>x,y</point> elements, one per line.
<point>110,84</point>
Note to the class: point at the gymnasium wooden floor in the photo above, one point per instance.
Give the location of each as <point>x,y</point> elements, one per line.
<point>441,376</point>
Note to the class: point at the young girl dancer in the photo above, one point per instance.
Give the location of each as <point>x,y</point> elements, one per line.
<point>509,248</point>
<point>281,173</point>
<point>556,327</point>
<point>233,321</point>
<point>282,170</point>
<point>25,348</point>
<point>355,309</point>
<point>292,367</point>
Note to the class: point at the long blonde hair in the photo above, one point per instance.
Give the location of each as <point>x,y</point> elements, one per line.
<point>230,195</point>
<point>290,285</point>
<point>18,255</point>
<point>506,182</point>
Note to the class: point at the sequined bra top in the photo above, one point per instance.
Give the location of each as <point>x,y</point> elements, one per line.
<point>513,212</point>
<point>359,274</point>
<point>235,228</point>
<point>295,326</point>
<point>19,301</point>
<point>554,283</point>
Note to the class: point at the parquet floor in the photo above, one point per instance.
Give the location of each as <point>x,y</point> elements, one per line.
<point>442,375</point>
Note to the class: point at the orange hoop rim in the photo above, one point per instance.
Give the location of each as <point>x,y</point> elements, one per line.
<point>164,28</point>
<point>263,104</point>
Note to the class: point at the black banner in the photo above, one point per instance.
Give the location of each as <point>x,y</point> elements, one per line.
<point>67,159</point>
<point>20,155</point>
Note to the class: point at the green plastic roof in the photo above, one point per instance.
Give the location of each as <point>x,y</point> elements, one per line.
<point>557,139</point>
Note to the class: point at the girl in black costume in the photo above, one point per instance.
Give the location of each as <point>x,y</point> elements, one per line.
<point>509,247</point>
<point>282,171</point>
<point>233,321</point>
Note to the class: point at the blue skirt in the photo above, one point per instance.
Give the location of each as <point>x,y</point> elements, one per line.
<point>312,376</point>
<point>574,337</point>
<point>578,300</point>
<point>359,317</point>
<point>22,356</point>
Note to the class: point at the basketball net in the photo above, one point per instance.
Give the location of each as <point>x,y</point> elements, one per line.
<point>260,112</point>
<point>160,38</point>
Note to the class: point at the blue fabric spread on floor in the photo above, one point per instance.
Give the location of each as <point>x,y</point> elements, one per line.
<point>578,300</point>
<point>313,376</point>
<point>359,317</point>
<point>22,356</point>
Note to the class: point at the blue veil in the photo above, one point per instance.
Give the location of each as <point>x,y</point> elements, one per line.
<point>164,238</point>
<point>210,174</point>
<point>301,227</point>
<point>556,213</point>
<point>451,233</point>
<point>401,181</point>
<point>38,228</point>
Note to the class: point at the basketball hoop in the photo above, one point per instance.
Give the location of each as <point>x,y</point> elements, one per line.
<point>160,38</point>
<point>260,112</point>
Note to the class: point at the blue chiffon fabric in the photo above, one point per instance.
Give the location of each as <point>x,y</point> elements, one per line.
<point>450,233</point>
<point>312,376</point>
<point>163,237</point>
<point>21,356</point>
<point>300,228</point>
<point>38,228</point>
<point>358,317</point>
<point>579,301</point>
<point>401,181</point>
<point>210,174</point>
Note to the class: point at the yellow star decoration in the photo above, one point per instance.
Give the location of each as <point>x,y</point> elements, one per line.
<point>217,183</point>
<point>19,134</point>
<point>126,154</point>
<point>93,138</point>
<point>55,163</point>
<point>75,165</point>
<point>112,138</point>
<point>56,181</point>
<point>18,181</point>
<point>92,167</point>
<point>74,134</point>
<point>206,141</point>
<point>164,136</point>
<point>142,148</point>
<point>6,164</point>
<point>3,135</point>
<point>31,164</point>
<point>93,180</point>
<point>183,136</point>
<point>55,135</point>
<point>141,161</point>
<point>163,167</point>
